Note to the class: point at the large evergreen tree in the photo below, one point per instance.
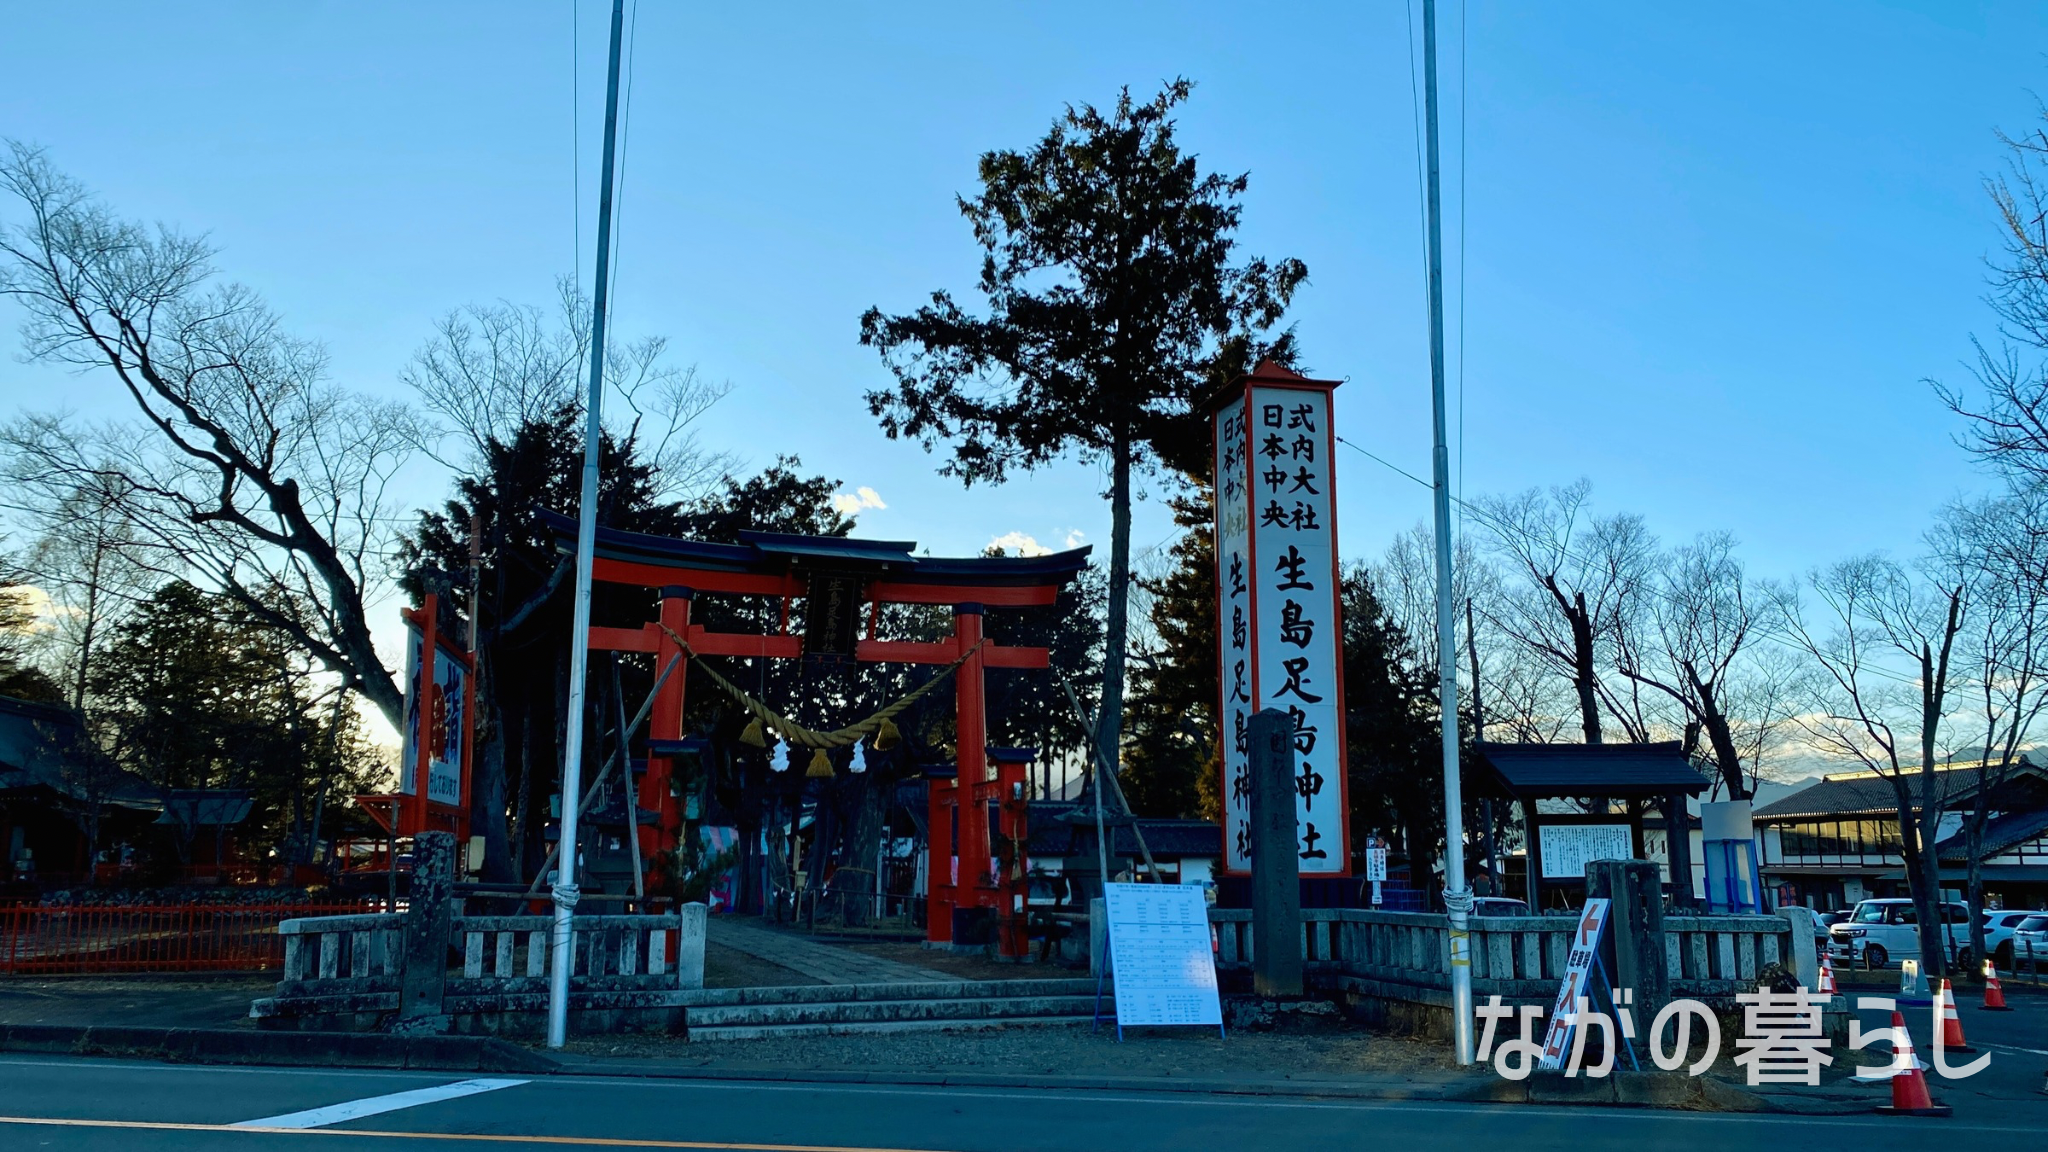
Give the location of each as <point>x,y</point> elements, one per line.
<point>1170,760</point>
<point>195,691</point>
<point>523,606</point>
<point>1110,275</point>
<point>1390,722</point>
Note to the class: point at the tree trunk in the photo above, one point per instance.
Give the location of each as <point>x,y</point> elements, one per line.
<point>1584,676</point>
<point>85,641</point>
<point>1934,943</point>
<point>1110,725</point>
<point>1719,737</point>
<point>1973,891</point>
<point>1924,908</point>
<point>522,793</point>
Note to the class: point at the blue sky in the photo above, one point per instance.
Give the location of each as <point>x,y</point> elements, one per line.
<point>1711,252</point>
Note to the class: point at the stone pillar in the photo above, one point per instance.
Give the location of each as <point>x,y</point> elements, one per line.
<point>690,945</point>
<point>1678,850</point>
<point>1532,858</point>
<point>1098,936</point>
<point>1276,870</point>
<point>1635,926</point>
<point>1805,958</point>
<point>424,973</point>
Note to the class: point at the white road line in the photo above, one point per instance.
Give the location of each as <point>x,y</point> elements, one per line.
<point>2012,1048</point>
<point>372,1105</point>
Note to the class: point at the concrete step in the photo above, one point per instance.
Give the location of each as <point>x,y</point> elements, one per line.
<point>872,1028</point>
<point>890,1011</point>
<point>930,990</point>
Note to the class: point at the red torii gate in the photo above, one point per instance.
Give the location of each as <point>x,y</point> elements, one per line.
<point>836,576</point>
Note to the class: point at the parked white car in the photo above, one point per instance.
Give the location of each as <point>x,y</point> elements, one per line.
<point>2030,940</point>
<point>1998,929</point>
<point>1879,932</point>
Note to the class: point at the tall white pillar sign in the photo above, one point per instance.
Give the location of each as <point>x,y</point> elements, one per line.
<point>1279,620</point>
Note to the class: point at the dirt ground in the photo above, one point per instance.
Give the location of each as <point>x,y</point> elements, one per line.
<point>1317,1050</point>
<point>154,1001</point>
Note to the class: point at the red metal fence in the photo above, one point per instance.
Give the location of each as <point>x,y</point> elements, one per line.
<point>41,941</point>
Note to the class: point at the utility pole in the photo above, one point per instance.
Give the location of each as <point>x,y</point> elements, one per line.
<point>565,893</point>
<point>1457,896</point>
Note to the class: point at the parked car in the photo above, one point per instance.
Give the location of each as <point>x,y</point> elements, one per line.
<point>1999,926</point>
<point>1823,921</point>
<point>2030,940</point>
<point>1878,932</point>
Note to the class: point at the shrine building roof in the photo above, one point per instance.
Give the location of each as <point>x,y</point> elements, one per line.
<point>773,552</point>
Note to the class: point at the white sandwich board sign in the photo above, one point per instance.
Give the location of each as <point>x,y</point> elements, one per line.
<point>1159,955</point>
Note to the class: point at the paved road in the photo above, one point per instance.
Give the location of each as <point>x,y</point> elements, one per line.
<point>91,1105</point>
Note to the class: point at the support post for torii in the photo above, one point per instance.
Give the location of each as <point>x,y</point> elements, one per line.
<point>665,723</point>
<point>971,733</point>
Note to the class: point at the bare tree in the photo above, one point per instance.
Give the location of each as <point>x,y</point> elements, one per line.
<point>1573,576</point>
<point>490,369</point>
<point>1519,697</point>
<point>1697,620</point>
<point>245,468</point>
<point>1882,645</point>
<point>2009,421</point>
<point>83,560</point>
<point>2003,543</point>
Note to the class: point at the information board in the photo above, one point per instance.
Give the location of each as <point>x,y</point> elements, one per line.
<point>1566,849</point>
<point>1159,955</point>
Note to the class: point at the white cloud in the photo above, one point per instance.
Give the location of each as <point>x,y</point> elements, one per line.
<point>857,501</point>
<point>1076,538</point>
<point>42,610</point>
<point>1020,542</point>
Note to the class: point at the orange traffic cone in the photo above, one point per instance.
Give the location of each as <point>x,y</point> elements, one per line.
<point>1827,977</point>
<point>1909,1087</point>
<point>1994,992</point>
<point>1951,1023</point>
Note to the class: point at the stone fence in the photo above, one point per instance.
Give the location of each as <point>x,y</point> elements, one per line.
<point>1395,966</point>
<point>348,973</point>
<point>433,968</point>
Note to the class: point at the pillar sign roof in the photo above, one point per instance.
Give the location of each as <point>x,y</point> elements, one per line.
<point>1548,771</point>
<point>1266,375</point>
<point>777,552</point>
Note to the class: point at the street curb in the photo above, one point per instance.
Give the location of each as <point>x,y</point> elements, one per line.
<point>235,1046</point>
<point>573,1066</point>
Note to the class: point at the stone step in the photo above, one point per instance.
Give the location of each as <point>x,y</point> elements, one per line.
<point>891,1011</point>
<point>875,1028</point>
<point>931,990</point>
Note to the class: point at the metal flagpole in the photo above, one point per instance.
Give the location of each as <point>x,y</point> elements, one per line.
<point>1457,897</point>
<point>565,893</point>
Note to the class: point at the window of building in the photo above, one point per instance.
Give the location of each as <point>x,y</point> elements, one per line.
<point>1831,839</point>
